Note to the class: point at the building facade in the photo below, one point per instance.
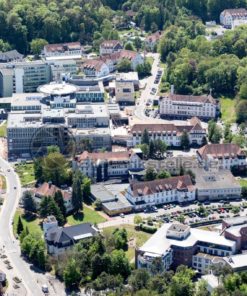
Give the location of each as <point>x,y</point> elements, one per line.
<point>101,166</point>
<point>168,133</point>
<point>175,189</point>
<point>125,93</point>
<point>229,16</point>
<point>110,46</point>
<point>183,106</point>
<point>226,156</point>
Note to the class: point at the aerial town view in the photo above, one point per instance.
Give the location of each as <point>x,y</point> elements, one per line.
<point>123,147</point>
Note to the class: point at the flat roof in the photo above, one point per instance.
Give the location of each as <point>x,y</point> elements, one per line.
<point>58,89</point>
<point>26,99</point>
<point>237,261</point>
<point>215,180</point>
<point>130,76</point>
<point>160,244</point>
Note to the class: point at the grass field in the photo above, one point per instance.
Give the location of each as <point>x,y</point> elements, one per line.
<point>3,130</point>
<point>243,183</point>
<point>26,173</point>
<point>88,215</point>
<point>33,225</point>
<point>150,60</point>
<point>228,113</point>
<point>136,238</point>
<point>3,184</point>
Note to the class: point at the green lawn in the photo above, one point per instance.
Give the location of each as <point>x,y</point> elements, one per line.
<point>3,130</point>
<point>228,113</point>
<point>26,173</point>
<point>150,60</point>
<point>135,238</point>
<point>88,215</point>
<point>33,225</point>
<point>243,183</point>
<point>3,184</point>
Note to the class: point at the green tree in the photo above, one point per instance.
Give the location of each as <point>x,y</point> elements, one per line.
<point>151,149</point>
<point>145,137</point>
<point>129,46</point>
<point>77,193</point>
<point>137,219</point>
<point>72,275</point>
<point>159,148</point>
<point>37,45</point>
<point>227,133</point>
<point>145,150</point>
<point>86,188</point>
<point>163,175</point>
<point>98,204</point>
<point>119,264</point>
<point>241,111</point>
<point>58,197</point>
<point>29,203</point>
<point>150,174</point>
<point>185,140</point>
<point>124,66</point>
<point>139,279</point>
<point>49,207</point>
<point>120,239</point>
<point>19,226</point>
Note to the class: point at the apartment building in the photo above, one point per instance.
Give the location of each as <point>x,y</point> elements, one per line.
<point>226,156</point>
<point>177,244</point>
<point>26,102</point>
<point>229,16</point>
<point>169,133</point>
<point>215,185</point>
<point>90,93</point>
<point>175,189</point>
<point>125,92</point>
<point>110,46</point>
<point>71,50</point>
<point>186,106</point>
<point>95,68</point>
<point>129,77</point>
<point>60,69</point>
<point>101,166</point>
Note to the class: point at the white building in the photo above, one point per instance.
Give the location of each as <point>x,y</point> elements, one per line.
<point>169,133</point>
<point>228,16</point>
<point>110,46</point>
<point>61,68</point>
<point>176,189</point>
<point>95,68</point>
<point>101,166</point>
<point>125,92</point>
<point>186,106</point>
<point>177,244</point>
<point>227,156</point>
<point>71,50</point>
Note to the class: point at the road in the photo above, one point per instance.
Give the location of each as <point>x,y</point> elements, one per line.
<point>31,280</point>
<point>145,95</point>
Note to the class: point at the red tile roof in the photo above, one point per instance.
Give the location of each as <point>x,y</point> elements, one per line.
<point>110,156</point>
<point>154,37</point>
<point>220,150</point>
<point>63,46</point>
<point>47,189</point>
<point>190,98</point>
<point>110,44</point>
<point>93,64</point>
<point>238,12</point>
<point>160,185</point>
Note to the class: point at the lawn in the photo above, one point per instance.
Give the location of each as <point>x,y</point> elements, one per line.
<point>3,130</point>
<point>228,113</point>
<point>135,238</point>
<point>243,182</point>
<point>32,224</point>
<point>26,173</point>
<point>3,184</point>
<point>150,60</point>
<point>88,215</point>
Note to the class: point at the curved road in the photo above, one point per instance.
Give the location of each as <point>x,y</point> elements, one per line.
<point>11,245</point>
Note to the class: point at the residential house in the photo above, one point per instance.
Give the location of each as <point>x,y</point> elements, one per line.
<point>168,132</point>
<point>226,156</point>
<point>152,40</point>
<point>110,46</point>
<point>95,68</point>
<point>229,16</point>
<point>48,189</point>
<point>175,189</point>
<point>103,165</point>
<point>186,106</point>
<point>62,239</point>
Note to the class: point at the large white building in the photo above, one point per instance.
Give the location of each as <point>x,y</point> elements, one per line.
<point>169,133</point>
<point>177,244</point>
<point>186,106</point>
<point>175,189</point>
<point>229,16</point>
<point>222,156</point>
<point>103,165</point>
<point>95,68</point>
<point>110,46</point>
<point>71,50</point>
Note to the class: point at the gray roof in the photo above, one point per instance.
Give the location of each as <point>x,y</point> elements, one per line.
<point>10,56</point>
<point>70,233</point>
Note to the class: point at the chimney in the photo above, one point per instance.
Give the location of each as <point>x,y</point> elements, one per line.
<point>172,89</point>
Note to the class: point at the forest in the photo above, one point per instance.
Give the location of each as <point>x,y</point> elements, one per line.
<point>21,21</point>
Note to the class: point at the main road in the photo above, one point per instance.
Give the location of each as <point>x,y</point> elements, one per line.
<point>31,280</point>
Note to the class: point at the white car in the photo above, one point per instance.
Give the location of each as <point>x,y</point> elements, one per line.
<point>122,215</point>
<point>45,289</point>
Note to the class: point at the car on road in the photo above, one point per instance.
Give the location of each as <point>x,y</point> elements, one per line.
<point>14,187</point>
<point>122,215</point>
<point>45,289</point>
